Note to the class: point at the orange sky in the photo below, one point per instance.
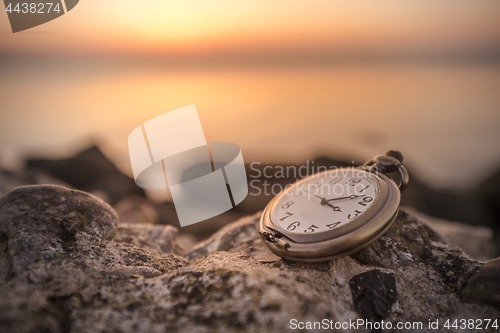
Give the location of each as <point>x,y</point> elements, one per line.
<point>108,99</point>
<point>169,27</point>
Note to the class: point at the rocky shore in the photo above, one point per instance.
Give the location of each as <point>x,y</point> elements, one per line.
<point>67,265</point>
<point>91,171</point>
<point>92,253</point>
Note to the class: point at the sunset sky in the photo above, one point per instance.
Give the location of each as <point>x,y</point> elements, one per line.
<point>285,80</point>
<point>242,27</point>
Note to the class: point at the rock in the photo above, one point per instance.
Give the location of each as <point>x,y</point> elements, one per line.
<point>134,271</point>
<point>201,231</point>
<point>413,242</point>
<point>185,241</point>
<point>58,257</point>
<point>262,254</point>
<point>150,237</point>
<point>475,240</point>
<point>128,284</point>
<point>164,237</point>
<point>403,244</point>
<point>156,238</point>
<point>483,287</point>
<point>90,171</point>
<point>230,236</point>
<point>373,294</point>
<point>141,236</point>
<point>42,220</point>
<point>136,210</point>
<point>10,180</point>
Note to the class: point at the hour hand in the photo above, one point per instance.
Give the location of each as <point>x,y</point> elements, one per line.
<point>323,200</point>
<point>335,208</point>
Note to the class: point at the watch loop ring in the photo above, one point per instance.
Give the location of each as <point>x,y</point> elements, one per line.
<point>388,164</point>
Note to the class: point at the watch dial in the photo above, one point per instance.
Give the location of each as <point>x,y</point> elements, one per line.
<point>325,201</point>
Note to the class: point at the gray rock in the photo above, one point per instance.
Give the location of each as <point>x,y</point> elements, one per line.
<point>134,271</point>
<point>58,257</point>
<point>413,242</point>
<point>475,240</point>
<point>484,285</point>
<point>136,210</point>
<point>10,180</point>
<point>373,294</point>
<point>262,254</point>
<point>153,237</point>
<point>128,284</point>
<point>147,236</point>
<point>40,221</point>
<point>164,237</point>
<point>185,242</point>
<point>230,236</point>
<point>91,171</point>
<point>201,231</point>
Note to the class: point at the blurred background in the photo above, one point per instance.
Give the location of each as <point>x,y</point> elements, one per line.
<point>288,81</point>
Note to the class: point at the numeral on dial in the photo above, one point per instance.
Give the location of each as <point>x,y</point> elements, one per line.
<point>293,226</point>
<point>364,188</point>
<point>333,225</point>
<point>287,205</point>
<point>365,201</point>
<point>353,181</point>
<point>356,214</point>
<point>312,228</point>
<point>289,214</point>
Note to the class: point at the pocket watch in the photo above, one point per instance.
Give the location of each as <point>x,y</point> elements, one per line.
<point>335,212</point>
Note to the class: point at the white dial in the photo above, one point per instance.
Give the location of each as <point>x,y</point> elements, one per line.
<point>325,201</point>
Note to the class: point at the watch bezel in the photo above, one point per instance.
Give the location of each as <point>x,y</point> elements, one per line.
<point>343,240</point>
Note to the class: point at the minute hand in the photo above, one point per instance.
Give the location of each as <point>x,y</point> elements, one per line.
<point>349,197</point>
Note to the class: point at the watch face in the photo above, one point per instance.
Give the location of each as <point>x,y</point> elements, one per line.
<point>325,201</point>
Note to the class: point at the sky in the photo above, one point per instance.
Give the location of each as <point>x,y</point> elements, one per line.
<point>240,28</point>
<point>265,75</point>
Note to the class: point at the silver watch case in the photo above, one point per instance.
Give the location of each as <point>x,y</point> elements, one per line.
<point>338,242</point>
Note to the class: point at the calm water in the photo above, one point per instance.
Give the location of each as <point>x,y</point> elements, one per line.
<point>446,119</point>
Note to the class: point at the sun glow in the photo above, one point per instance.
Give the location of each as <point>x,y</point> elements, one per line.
<point>199,26</point>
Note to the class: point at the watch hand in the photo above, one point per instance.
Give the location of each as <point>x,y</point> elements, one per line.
<point>323,200</point>
<point>335,208</point>
<point>349,197</point>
